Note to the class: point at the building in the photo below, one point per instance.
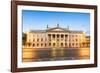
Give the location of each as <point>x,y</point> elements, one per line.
<point>57,37</point>
<point>88,41</point>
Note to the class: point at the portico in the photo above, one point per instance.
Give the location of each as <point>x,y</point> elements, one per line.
<point>58,39</point>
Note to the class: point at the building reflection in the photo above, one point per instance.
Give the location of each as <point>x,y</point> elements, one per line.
<point>53,54</point>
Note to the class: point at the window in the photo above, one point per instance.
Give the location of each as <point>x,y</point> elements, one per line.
<point>37,40</point>
<point>72,44</point>
<point>62,35</point>
<point>53,35</point>
<point>49,39</point>
<point>73,40</point>
<point>41,39</point>
<point>45,44</point>
<point>37,45</point>
<point>49,35</point>
<point>57,35</point>
<point>57,39</point>
<point>76,44</point>
<point>49,44</point>
<point>66,36</point>
<point>69,44</point>
<point>53,44</point>
<point>41,44</point>
<point>33,45</point>
<point>65,44</point>
<point>61,44</point>
<point>65,39</point>
<point>29,44</point>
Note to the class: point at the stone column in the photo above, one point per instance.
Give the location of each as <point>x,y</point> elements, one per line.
<point>60,40</point>
<point>50,40</point>
<point>64,40</point>
<point>62,49</point>
<point>68,40</point>
<point>53,49</point>
<point>56,40</point>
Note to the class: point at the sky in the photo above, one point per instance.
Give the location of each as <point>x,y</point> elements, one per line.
<point>38,20</point>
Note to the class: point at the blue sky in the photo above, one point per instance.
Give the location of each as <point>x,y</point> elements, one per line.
<point>40,19</point>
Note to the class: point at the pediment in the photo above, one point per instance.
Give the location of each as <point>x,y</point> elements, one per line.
<point>57,29</point>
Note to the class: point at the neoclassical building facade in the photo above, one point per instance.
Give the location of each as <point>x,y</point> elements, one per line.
<point>57,37</point>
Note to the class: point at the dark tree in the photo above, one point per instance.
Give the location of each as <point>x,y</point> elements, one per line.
<point>23,38</point>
